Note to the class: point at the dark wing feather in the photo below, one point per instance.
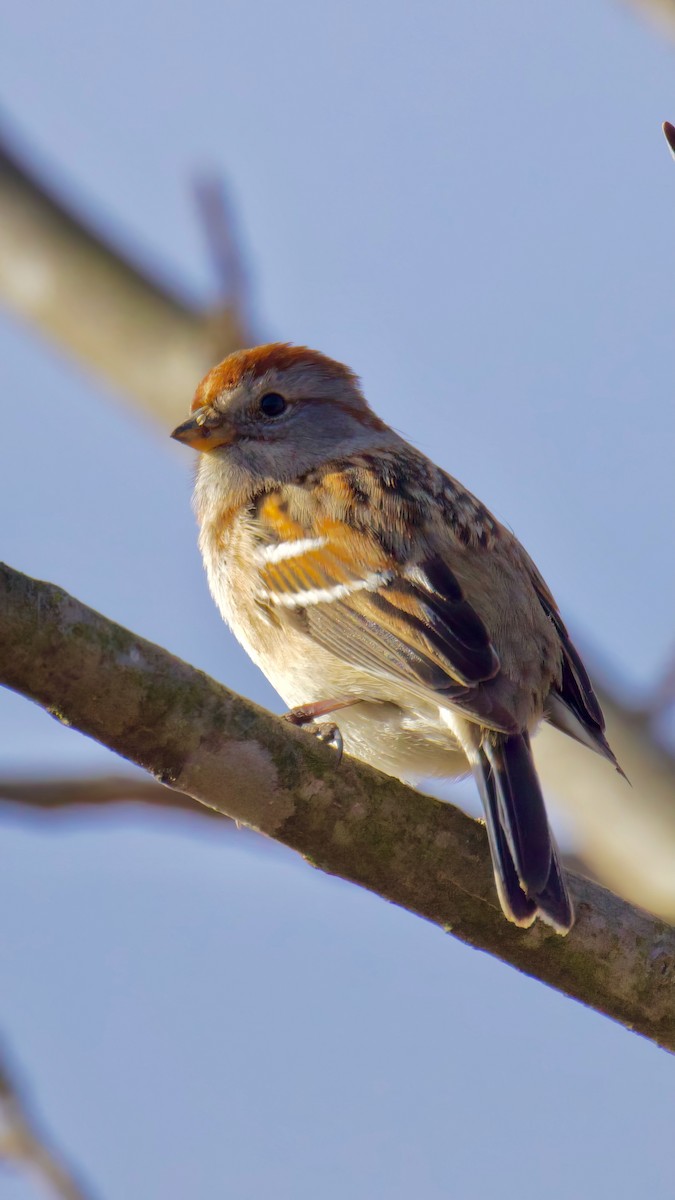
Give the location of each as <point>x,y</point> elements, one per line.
<point>367,642</point>
<point>447,622</point>
<point>575,696</point>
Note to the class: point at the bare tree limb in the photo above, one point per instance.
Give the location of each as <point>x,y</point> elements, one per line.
<point>195,735</point>
<point>660,13</point>
<point>218,223</point>
<point>626,835</point>
<point>83,294</point>
<point>23,1145</point>
<point>50,795</point>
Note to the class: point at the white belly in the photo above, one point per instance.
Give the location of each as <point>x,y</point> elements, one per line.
<point>385,727</point>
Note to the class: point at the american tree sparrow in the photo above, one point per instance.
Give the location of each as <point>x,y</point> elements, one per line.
<point>363,579</point>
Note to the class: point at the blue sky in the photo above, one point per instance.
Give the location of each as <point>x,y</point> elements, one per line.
<point>473,206</point>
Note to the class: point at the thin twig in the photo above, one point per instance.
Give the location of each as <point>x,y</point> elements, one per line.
<point>217,219</point>
<point>70,792</point>
<point>23,1145</point>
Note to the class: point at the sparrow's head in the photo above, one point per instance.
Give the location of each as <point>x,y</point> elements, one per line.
<point>278,410</point>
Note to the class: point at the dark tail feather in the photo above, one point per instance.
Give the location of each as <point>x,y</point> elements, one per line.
<point>529,879</point>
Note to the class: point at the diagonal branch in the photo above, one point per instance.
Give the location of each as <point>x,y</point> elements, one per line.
<point>62,276</point>
<point>659,13</point>
<point>23,1144</point>
<point>196,736</point>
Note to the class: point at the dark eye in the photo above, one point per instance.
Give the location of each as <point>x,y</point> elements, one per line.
<point>272,404</point>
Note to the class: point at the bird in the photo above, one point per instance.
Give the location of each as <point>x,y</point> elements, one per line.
<point>370,585</point>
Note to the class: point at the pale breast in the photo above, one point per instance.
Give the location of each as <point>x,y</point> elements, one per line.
<point>295,667</point>
<point>378,730</point>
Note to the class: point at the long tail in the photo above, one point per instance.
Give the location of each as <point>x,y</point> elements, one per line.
<point>529,878</point>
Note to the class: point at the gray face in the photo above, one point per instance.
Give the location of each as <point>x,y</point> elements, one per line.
<point>276,427</point>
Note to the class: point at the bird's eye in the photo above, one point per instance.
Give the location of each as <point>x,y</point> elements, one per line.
<point>272,404</point>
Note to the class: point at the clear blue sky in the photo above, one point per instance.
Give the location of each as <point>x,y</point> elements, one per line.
<point>473,206</point>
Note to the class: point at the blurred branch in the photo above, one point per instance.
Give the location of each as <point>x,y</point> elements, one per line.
<point>22,1144</point>
<point>222,243</point>
<point>58,274</point>
<point>196,736</point>
<point>74,792</point>
<point>663,697</point>
<point>626,835</point>
<point>659,12</point>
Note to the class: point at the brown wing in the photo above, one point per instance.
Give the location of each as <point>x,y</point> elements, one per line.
<point>405,619</point>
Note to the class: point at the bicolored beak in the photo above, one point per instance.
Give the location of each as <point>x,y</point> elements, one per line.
<point>204,430</point>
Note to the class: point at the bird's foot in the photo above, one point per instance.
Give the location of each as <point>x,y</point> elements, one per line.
<point>329,733</point>
<point>326,731</point>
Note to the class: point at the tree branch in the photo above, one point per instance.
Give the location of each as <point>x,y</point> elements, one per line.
<point>660,13</point>
<point>49,795</point>
<point>81,292</point>
<point>626,835</point>
<point>196,736</point>
<point>22,1143</point>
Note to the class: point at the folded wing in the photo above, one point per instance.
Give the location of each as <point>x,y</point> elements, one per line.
<point>409,621</point>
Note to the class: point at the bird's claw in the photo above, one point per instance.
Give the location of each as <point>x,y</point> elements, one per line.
<point>329,733</point>
<point>326,731</point>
